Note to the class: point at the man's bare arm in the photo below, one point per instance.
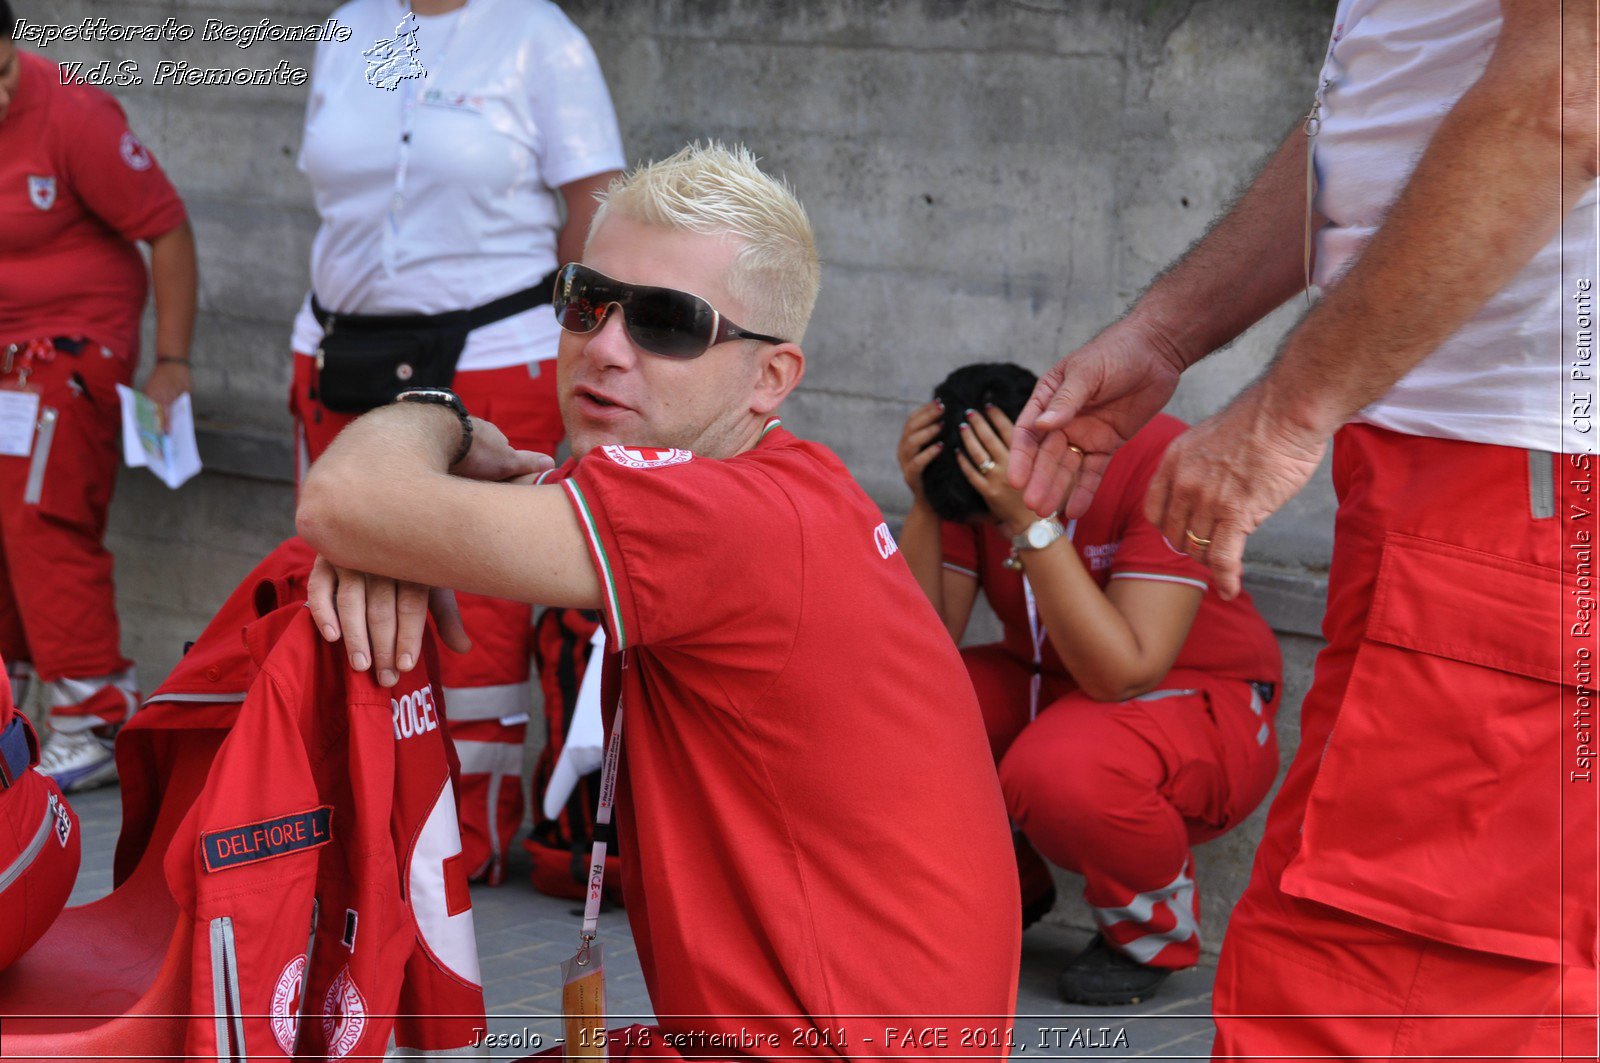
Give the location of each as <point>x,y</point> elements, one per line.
<point>381,500</point>
<point>1245,267</point>
<point>1096,397</point>
<point>1493,186</point>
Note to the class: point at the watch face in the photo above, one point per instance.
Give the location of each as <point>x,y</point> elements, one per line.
<point>1040,534</point>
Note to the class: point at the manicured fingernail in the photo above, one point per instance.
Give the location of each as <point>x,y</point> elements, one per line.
<point>359,662</point>
<point>330,632</point>
<point>970,413</point>
<point>990,406</point>
<point>406,662</point>
<point>965,427</point>
<point>387,678</point>
<point>939,403</point>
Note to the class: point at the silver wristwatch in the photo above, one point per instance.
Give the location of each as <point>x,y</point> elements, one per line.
<point>1039,534</point>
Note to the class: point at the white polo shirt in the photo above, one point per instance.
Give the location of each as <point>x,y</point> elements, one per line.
<point>1394,69</point>
<point>513,105</point>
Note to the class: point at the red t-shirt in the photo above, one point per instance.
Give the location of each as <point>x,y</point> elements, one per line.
<point>76,190</point>
<point>1115,541</point>
<point>810,816</point>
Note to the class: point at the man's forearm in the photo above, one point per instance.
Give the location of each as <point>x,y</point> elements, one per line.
<point>381,500</point>
<point>175,278</point>
<point>356,493</point>
<point>1492,188</point>
<point>1250,261</point>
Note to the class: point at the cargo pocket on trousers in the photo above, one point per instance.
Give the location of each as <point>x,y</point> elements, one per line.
<point>74,464</point>
<point>1437,806</point>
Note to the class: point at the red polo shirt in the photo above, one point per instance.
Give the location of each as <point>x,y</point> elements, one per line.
<point>77,189</point>
<point>816,845</point>
<point>1115,541</point>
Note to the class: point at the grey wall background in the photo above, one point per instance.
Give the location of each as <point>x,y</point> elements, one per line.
<point>988,179</point>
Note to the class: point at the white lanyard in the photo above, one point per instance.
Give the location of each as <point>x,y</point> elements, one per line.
<point>602,818</point>
<point>1037,633</point>
<point>1312,126</point>
<point>1036,630</point>
<point>408,112</point>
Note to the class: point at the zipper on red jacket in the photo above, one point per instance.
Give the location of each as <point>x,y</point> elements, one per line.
<point>225,992</point>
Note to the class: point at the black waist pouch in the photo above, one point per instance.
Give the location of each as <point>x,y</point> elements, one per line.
<point>365,360</point>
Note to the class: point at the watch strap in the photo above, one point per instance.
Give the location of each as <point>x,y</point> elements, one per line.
<point>1058,530</point>
<point>449,399</point>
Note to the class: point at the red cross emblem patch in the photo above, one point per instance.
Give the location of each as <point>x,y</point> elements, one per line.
<point>646,457</point>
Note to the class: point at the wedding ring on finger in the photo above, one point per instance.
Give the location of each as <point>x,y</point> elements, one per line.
<point>1193,538</point>
<point>986,466</point>
<point>1076,449</point>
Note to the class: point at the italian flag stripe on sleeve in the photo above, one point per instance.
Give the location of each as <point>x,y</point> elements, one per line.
<point>607,579</point>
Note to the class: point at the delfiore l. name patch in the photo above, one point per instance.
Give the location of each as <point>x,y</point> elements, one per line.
<point>269,838</point>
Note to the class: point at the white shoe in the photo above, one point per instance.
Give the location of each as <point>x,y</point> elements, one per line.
<point>78,761</point>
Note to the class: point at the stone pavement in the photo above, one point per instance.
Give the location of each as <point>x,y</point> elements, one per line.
<point>523,936</point>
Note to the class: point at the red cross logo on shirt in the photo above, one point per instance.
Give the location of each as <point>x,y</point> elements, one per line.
<point>646,457</point>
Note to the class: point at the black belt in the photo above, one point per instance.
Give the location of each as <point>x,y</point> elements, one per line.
<point>505,306</point>
<point>19,751</point>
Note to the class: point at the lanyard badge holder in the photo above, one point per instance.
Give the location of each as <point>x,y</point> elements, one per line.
<point>1313,126</point>
<point>583,977</point>
<point>22,418</point>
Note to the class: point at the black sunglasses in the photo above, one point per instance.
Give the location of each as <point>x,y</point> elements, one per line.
<point>663,321</point>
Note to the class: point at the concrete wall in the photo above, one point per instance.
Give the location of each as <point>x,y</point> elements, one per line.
<point>988,180</point>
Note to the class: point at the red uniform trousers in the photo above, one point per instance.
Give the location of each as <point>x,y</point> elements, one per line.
<point>1428,865</point>
<point>487,691</point>
<point>1119,791</point>
<point>58,618</point>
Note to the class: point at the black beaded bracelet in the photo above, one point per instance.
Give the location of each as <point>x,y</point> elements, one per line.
<point>445,397</point>
<point>174,359</point>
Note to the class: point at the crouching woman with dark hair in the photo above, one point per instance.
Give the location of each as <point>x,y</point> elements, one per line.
<point>1129,707</point>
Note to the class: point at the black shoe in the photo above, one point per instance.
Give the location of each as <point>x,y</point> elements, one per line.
<point>1038,908</point>
<point>1102,975</point>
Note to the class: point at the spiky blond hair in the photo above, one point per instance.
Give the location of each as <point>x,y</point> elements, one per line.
<point>722,191</point>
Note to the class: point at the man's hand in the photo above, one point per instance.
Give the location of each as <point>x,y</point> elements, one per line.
<point>1082,410</point>
<point>1218,481</point>
<point>493,458</point>
<point>381,620</point>
<point>165,383</point>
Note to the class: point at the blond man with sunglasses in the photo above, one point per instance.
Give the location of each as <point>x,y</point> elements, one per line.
<point>818,856</point>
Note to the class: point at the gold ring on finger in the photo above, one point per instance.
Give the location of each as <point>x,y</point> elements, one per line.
<point>1075,449</point>
<point>986,466</point>
<point>1193,538</point>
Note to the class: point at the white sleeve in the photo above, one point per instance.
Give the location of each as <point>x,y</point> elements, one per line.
<point>572,108</point>
<point>314,99</point>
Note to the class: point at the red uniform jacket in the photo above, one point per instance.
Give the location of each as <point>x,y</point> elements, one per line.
<point>321,862</point>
